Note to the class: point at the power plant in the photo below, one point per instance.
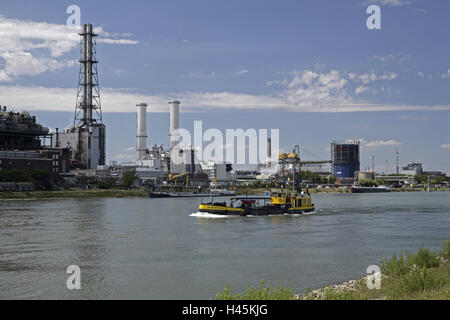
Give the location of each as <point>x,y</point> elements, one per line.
<point>86,138</point>
<point>82,146</point>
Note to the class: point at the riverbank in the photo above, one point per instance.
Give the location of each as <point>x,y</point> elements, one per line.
<point>421,276</point>
<point>62,194</point>
<point>123,193</point>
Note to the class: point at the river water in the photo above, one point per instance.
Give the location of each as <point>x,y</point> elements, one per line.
<point>138,248</point>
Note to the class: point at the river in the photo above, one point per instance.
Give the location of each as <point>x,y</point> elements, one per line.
<point>139,248</point>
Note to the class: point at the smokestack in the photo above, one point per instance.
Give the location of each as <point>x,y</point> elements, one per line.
<point>57,138</point>
<point>174,122</point>
<point>87,74</point>
<point>142,130</point>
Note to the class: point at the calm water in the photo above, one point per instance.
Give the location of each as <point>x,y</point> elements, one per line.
<point>153,249</point>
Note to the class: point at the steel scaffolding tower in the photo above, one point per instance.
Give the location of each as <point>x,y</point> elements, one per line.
<point>88,109</point>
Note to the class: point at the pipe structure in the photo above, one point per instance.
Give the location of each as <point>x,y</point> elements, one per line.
<point>174,122</point>
<point>141,130</point>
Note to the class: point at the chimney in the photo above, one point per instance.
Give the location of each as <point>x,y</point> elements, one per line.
<point>141,130</point>
<point>174,122</point>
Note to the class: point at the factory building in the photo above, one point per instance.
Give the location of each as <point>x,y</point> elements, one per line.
<point>21,145</point>
<point>218,172</point>
<point>86,138</point>
<point>345,158</point>
<point>413,169</point>
<point>19,131</point>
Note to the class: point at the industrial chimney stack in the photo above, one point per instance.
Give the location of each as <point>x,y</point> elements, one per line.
<point>174,122</point>
<point>142,130</point>
<point>269,148</point>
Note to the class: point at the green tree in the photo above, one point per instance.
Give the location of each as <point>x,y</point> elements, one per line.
<point>331,179</point>
<point>14,175</point>
<point>129,177</point>
<point>41,179</point>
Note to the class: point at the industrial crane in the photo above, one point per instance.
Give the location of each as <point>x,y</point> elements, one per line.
<point>175,177</point>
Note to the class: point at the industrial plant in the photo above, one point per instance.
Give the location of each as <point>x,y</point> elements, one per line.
<point>80,150</point>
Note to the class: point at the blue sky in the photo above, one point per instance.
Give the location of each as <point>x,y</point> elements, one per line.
<point>310,68</point>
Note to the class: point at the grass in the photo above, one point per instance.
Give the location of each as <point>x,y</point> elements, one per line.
<point>424,275</point>
<point>263,292</point>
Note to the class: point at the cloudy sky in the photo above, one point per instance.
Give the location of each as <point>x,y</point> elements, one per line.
<point>310,68</point>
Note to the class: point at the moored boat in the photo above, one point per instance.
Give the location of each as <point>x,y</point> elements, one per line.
<point>358,189</point>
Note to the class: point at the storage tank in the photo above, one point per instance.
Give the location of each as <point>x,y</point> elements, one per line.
<point>345,158</point>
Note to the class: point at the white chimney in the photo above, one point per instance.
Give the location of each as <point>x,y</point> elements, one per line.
<point>142,130</point>
<point>174,122</point>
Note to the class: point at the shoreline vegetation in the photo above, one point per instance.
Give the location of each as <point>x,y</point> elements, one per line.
<point>129,193</point>
<point>424,275</point>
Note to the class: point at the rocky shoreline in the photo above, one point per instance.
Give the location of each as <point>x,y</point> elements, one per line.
<point>346,287</point>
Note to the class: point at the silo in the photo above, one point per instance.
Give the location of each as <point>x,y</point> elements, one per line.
<point>345,158</point>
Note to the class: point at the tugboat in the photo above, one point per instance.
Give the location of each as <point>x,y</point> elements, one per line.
<point>275,203</point>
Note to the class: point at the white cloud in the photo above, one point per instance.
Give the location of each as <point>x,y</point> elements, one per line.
<point>392,58</point>
<point>381,143</point>
<point>391,3</point>
<point>445,146</point>
<point>301,91</point>
<point>362,89</point>
<point>314,98</point>
<point>389,76</point>
<point>201,75</point>
<point>421,74</point>
<point>242,72</point>
<point>31,48</point>
<point>446,75</point>
<point>117,41</point>
<point>368,77</point>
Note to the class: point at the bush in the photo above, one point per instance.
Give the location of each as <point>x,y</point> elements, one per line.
<point>262,293</point>
<point>418,280</point>
<point>445,252</point>
<point>394,266</point>
<point>15,175</point>
<point>424,259</point>
<point>129,177</point>
<point>41,179</point>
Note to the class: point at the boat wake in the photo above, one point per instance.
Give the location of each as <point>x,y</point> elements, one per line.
<point>222,216</point>
<point>210,215</point>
